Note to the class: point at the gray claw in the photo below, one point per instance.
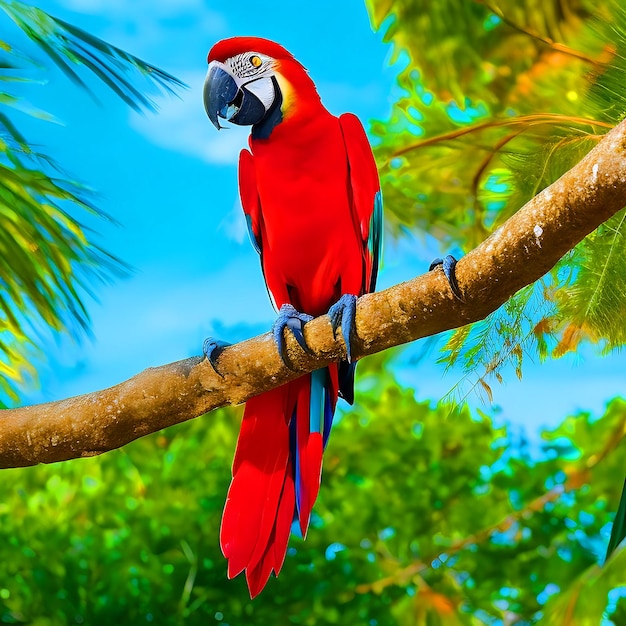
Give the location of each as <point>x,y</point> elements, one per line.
<point>343,314</point>
<point>212,348</point>
<point>289,317</point>
<point>448,265</point>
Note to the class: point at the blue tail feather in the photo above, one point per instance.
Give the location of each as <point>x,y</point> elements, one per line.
<point>328,417</point>
<point>294,455</point>
<point>316,409</point>
<point>315,421</point>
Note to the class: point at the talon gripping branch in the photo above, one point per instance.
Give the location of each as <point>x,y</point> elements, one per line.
<point>311,195</point>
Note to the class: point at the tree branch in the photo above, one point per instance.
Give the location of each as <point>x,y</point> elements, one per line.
<point>517,254</point>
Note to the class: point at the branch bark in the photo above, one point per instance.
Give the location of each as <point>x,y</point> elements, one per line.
<point>518,253</point>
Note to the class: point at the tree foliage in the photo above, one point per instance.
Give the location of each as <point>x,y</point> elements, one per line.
<point>48,258</point>
<point>497,100</point>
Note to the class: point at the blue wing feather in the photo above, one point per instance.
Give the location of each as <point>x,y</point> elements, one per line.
<point>256,243</point>
<point>375,238</point>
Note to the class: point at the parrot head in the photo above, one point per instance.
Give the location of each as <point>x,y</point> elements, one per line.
<point>253,82</point>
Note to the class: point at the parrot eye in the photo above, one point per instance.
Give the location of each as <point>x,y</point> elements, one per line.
<point>255,61</point>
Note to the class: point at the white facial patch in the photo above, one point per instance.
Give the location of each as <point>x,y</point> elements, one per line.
<point>263,89</point>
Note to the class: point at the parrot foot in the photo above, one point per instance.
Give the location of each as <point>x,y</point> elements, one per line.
<point>448,265</point>
<point>289,317</point>
<point>212,348</point>
<point>343,313</point>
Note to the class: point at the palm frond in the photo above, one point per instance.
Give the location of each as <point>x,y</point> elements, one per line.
<point>69,46</point>
<point>47,263</point>
<point>606,100</point>
<point>487,349</point>
<point>48,259</point>
<point>594,300</point>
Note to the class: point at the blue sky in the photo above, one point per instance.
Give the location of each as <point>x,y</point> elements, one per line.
<point>169,179</point>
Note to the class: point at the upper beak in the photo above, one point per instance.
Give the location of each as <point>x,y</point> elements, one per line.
<point>220,92</point>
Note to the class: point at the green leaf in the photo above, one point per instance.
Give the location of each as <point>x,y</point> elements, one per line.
<point>618,530</point>
<point>584,603</point>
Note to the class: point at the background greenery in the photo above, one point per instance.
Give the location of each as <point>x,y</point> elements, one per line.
<point>428,515</point>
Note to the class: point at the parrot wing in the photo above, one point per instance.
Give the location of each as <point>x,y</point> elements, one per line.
<point>250,198</point>
<point>251,204</point>
<point>367,202</point>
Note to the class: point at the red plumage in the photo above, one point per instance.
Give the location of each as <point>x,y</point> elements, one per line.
<point>309,192</point>
<point>227,48</point>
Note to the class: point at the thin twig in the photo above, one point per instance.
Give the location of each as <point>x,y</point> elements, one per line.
<point>522,120</point>
<point>547,41</point>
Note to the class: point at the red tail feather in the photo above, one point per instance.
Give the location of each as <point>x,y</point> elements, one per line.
<point>259,469</point>
<point>261,501</point>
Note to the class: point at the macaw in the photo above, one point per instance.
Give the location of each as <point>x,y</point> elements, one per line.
<point>311,197</point>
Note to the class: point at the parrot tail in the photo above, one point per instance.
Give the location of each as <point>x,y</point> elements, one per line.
<point>276,473</point>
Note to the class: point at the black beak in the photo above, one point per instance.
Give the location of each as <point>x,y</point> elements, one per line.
<point>220,90</point>
<point>223,98</point>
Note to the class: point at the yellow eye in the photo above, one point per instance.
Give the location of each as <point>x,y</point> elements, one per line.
<point>256,61</point>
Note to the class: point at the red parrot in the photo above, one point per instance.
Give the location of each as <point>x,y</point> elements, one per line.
<point>311,196</point>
